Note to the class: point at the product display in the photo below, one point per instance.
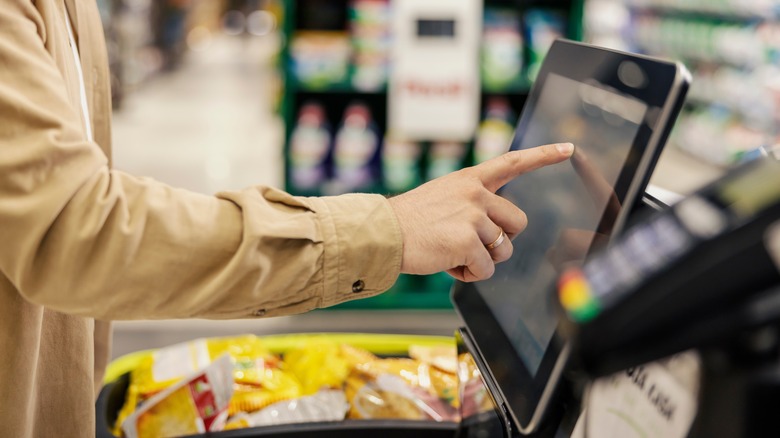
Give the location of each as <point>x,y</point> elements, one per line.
<point>542,27</point>
<point>369,22</point>
<point>211,384</point>
<point>356,152</point>
<point>496,130</point>
<point>310,144</point>
<point>733,49</point>
<point>320,59</point>
<point>322,162</point>
<point>400,164</point>
<point>502,49</point>
<point>445,157</point>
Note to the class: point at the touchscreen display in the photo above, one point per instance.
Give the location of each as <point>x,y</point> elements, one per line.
<point>565,203</point>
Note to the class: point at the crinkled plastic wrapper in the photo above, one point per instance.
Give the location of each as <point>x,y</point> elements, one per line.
<point>324,405</point>
<point>318,364</point>
<point>319,381</point>
<point>474,395</point>
<point>258,379</point>
<point>403,389</point>
<point>195,404</point>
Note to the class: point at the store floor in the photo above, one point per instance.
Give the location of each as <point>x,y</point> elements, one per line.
<point>207,126</point>
<point>210,126</point>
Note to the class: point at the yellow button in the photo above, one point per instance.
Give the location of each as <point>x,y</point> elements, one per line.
<point>574,294</point>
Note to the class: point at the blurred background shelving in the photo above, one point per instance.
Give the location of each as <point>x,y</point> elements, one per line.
<point>732,47</point>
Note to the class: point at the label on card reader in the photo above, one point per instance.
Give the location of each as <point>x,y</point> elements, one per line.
<point>648,401</point>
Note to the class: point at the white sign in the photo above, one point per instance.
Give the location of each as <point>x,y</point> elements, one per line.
<point>434,88</point>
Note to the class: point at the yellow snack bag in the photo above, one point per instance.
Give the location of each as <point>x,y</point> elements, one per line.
<point>418,374</point>
<point>475,396</point>
<point>389,396</point>
<point>255,370</point>
<point>356,356</point>
<point>196,404</point>
<point>277,385</point>
<point>168,365</point>
<point>318,364</point>
<point>443,357</point>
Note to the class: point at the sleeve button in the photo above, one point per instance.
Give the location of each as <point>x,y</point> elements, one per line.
<point>358,286</point>
<point>259,312</point>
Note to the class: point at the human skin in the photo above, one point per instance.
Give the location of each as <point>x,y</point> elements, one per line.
<point>447,223</point>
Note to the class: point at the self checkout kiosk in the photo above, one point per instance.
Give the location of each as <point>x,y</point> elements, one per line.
<point>620,318</point>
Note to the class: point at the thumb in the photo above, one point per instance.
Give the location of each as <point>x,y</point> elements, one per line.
<point>498,171</point>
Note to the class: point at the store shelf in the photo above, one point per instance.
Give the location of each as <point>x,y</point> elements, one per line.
<point>520,86</point>
<point>729,11</point>
<point>343,87</point>
<point>732,51</point>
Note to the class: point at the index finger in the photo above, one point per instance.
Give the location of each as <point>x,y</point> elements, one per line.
<point>500,170</point>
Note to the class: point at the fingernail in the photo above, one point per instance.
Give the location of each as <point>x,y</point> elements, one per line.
<point>565,148</point>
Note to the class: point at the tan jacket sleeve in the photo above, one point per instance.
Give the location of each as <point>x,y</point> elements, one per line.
<point>83,239</point>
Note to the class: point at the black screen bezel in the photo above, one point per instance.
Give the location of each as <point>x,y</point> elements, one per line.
<point>520,391</point>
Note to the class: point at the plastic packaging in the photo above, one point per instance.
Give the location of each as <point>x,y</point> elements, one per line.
<point>543,27</point>
<point>324,405</point>
<point>474,396</point>
<point>445,157</point>
<point>317,365</point>
<point>369,22</point>
<point>400,164</point>
<point>320,59</point>
<point>257,375</point>
<point>310,144</point>
<point>502,49</point>
<point>355,155</point>
<point>495,132</point>
<point>402,389</point>
<point>196,404</point>
<point>316,380</point>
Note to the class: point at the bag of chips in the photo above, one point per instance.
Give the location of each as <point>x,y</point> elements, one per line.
<point>401,388</point>
<point>258,377</point>
<point>195,404</point>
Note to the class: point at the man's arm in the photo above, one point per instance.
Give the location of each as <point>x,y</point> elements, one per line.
<point>80,238</point>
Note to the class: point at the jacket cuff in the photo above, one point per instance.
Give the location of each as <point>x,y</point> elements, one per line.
<point>363,246</point>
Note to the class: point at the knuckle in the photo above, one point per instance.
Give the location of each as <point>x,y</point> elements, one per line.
<point>474,193</point>
<point>522,221</point>
<point>466,247</point>
<point>510,249</point>
<point>490,269</point>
